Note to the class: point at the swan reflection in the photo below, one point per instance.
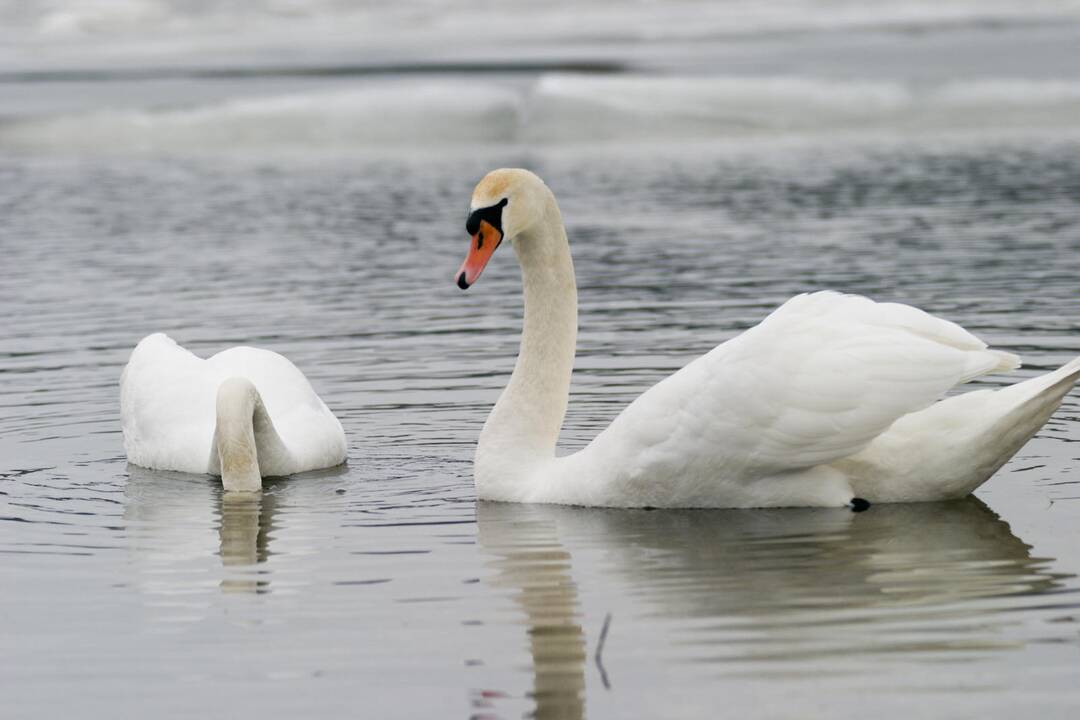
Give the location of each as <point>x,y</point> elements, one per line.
<point>246,523</point>
<point>762,587</point>
<point>531,563</point>
<point>178,521</point>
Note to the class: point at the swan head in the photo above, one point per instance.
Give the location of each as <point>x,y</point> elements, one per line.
<point>505,204</point>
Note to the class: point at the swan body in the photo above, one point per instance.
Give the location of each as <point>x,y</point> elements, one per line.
<point>243,414</point>
<point>830,399</point>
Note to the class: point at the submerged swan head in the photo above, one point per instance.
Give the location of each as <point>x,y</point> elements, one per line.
<point>506,204</point>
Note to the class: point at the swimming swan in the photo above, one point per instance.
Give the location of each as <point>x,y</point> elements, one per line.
<point>832,400</point>
<point>243,414</point>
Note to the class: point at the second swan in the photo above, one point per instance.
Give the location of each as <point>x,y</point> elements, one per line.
<point>832,400</point>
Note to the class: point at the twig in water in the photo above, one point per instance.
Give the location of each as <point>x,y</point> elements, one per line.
<point>600,651</point>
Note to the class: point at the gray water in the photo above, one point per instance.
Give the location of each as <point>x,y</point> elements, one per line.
<point>383,588</point>
<point>710,163</point>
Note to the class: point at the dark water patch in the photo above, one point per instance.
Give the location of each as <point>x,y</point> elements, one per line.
<point>506,67</point>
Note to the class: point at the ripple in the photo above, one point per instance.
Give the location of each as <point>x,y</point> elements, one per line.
<point>346,572</point>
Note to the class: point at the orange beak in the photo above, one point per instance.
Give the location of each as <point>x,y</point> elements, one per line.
<point>482,247</point>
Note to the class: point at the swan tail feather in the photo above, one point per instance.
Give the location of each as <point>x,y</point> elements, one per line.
<point>951,448</point>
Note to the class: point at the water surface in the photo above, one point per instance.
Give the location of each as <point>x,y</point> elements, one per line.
<point>383,586</point>
<point>321,215</point>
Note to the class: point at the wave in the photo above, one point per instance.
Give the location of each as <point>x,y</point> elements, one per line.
<point>405,113</point>
<point>595,19</point>
<point>51,35</point>
<point>569,107</point>
<point>557,108</point>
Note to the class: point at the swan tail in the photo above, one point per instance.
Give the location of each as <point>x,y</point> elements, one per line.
<point>235,450</point>
<point>951,448</point>
<point>1024,409</point>
<point>1054,384</point>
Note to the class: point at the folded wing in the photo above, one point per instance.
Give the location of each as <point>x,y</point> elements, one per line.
<point>816,381</point>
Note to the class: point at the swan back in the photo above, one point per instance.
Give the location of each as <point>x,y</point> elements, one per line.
<point>168,407</point>
<point>815,382</point>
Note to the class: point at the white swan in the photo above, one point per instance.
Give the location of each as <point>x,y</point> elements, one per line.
<point>243,414</point>
<point>830,401</point>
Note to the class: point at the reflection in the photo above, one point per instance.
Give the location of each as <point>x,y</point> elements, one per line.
<point>246,522</point>
<point>536,569</point>
<point>764,562</point>
<point>762,586</point>
<point>171,520</point>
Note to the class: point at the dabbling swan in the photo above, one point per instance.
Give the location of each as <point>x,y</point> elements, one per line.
<point>243,414</point>
<point>832,400</point>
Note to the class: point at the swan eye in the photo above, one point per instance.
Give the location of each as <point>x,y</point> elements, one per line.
<point>492,214</point>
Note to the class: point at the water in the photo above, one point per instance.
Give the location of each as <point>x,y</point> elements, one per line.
<point>292,211</point>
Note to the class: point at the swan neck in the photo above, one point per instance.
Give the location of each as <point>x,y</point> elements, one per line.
<point>244,431</point>
<point>525,423</point>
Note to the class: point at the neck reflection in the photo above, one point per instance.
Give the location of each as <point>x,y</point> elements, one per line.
<point>246,523</point>
<point>171,518</point>
<point>535,568</point>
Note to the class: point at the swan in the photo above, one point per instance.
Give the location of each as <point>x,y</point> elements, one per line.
<point>832,400</point>
<point>243,414</point>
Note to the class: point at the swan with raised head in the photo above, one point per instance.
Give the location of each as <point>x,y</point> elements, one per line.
<point>831,400</point>
<point>243,414</point>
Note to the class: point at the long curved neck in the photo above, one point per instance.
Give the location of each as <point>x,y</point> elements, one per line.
<point>524,425</point>
<point>244,435</point>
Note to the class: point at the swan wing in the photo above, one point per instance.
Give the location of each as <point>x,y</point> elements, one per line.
<point>167,407</point>
<point>305,424</point>
<point>816,381</point>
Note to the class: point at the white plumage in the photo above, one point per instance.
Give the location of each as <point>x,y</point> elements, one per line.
<point>831,397</point>
<point>172,404</point>
<point>816,381</point>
